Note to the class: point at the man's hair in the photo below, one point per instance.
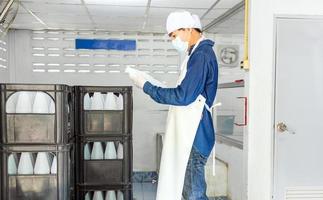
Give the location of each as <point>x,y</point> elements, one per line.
<point>198,30</point>
<point>181,29</point>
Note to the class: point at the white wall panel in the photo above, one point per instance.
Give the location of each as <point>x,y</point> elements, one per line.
<point>41,7</point>
<point>182,4</point>
<point>55,1</point>
<point>117,2</point>
<point>50,57</point>
<point>260,139</point>
<point>105,10</point>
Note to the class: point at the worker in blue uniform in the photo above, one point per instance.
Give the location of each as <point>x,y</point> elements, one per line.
<point>198,81</point>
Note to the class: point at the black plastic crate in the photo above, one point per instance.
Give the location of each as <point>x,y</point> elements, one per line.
<point>102,168</point>
<point>37,186</point>
<point>126,191</point>
<point>30,127</point>
<point>103,120</point>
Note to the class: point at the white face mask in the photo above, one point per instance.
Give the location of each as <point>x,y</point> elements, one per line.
<point>179,45</point>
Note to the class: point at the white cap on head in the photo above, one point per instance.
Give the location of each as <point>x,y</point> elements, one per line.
<point>179,19</point>
<point>198,23</point>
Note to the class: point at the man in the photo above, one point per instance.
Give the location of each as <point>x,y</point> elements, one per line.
<point>189,136</point>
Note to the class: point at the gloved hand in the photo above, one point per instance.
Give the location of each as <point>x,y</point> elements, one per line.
<point>138,79</point>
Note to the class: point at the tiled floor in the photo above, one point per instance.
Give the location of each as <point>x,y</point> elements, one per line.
<point>147,191</point>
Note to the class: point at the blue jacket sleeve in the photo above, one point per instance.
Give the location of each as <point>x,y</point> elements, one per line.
<point>191,87</point>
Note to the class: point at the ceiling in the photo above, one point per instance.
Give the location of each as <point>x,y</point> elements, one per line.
<point>122,15</point>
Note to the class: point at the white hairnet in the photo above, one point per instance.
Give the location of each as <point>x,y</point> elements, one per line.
<point>179,19</point>
<point>197,20</point>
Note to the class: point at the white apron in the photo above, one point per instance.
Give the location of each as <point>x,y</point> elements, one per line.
<point>181,128</point>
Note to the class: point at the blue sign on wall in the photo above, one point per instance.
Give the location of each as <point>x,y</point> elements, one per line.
<point>121,45</point>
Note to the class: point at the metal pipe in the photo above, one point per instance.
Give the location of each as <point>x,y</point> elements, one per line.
<point>210,9</point>
<point>225,16</point>
<point>6,24</point>
<point>146,14</point>
<point>245,62</point>
<point>5,10</point>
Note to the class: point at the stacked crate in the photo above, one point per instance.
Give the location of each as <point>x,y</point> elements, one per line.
<point>103,126</point>
<point>36,155</point>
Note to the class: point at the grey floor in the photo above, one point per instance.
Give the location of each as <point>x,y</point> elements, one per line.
<point>147,191</point>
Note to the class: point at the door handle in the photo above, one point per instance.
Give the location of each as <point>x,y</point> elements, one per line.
<point>282,128</point>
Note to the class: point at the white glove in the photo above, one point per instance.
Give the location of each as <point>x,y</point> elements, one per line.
<point>138,79</point>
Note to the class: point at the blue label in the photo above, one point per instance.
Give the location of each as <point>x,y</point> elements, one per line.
<point>121,45</point>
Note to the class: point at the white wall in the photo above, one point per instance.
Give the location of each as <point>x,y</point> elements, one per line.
<point>260,137</point>
<point>234,159</point>
<point>149,117</point>
<point>227,74</point>
<point>4,75</point>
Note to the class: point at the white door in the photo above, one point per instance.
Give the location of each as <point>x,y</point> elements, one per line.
<point>298,170</point>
